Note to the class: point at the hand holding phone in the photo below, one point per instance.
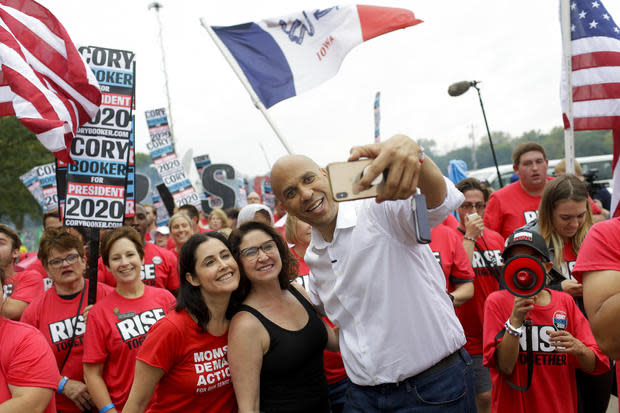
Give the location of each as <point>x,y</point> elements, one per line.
<point>344,178</point>
<point>474,226</point>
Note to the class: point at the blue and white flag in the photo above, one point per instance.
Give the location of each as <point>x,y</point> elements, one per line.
<point>284,56</point>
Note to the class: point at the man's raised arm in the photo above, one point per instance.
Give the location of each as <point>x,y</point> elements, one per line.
<point>408,169</point>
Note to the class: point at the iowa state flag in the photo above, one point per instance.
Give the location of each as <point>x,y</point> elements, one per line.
<point>284,56</point>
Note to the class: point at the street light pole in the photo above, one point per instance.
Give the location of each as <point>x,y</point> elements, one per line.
<point>156,6</point>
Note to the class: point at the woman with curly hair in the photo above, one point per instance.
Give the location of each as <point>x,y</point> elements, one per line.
<point>276,340</point>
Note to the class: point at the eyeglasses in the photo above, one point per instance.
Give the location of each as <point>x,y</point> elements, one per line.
<point>252,252</point>
<point>469,206</point>
<point>69,259</point>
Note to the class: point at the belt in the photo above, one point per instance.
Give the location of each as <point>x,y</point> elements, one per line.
<point>438,367</point>
<point>441,365</point>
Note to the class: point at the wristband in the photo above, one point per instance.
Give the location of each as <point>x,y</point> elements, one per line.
<point>422,156</point>
<point>107,407</point>
<point>469,238</point>
<point>61,386</point>
<point>512,330</point>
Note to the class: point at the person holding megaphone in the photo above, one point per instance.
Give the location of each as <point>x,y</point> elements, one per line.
<point>535,335</point>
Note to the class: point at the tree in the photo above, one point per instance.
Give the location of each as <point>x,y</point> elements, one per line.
<point>21,151</point>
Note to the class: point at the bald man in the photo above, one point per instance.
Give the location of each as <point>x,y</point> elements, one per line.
<point>253,198</point>
<point>369,275</point>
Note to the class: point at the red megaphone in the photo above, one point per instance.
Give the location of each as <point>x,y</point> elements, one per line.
<point>523,276</point>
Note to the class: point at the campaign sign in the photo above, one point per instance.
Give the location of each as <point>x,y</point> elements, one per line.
<point>102,148</point>
<point>31,181</point>
<point>262,186</point>
<point>201,163</point>
<point>167,164</point>
<point>47,177</point>
<point>221,185</point>
<point>160,208</point>
<point>130,195</point>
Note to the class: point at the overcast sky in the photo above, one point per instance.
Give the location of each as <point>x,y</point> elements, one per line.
<point>513,47</point>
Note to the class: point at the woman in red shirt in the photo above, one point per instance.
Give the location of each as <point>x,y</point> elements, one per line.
<point>117,324</point>
<point>59,313</point>
<point>564,218</point>
<point>28,372</point>
<point>180,230</point>
<point>182,365</point>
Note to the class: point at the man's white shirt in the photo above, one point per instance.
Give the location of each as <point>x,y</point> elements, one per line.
<point>385,291</point>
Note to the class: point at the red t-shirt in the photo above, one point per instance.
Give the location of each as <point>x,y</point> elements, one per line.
<point>332,362</point>
<point>196,373</point>
<point>24,286</point>
<point>115,331</point>
<point>600,251</point>
<point>451,221</point>
<point>471,314</point>
<point>451,256</point>
<point>553,379</point>
<point>170,245</point>
<point>26,361</point>
<point>55,318</point>
<point>570,258</point>
<point>37,266</point>
<point>510,208</point>
<point>159,269</point>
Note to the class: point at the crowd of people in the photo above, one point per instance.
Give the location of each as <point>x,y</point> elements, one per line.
<point>321,306</point>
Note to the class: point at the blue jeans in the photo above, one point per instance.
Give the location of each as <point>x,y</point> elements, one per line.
<point>337,394</point>
<point>447,391</point>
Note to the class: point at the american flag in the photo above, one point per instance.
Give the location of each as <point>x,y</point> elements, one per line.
<point>43,79</point>
<point>595,51</point>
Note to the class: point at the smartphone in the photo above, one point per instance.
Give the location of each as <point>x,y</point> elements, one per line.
<point>472,215</point>
<point>420,219</point>
<point>345,176</point>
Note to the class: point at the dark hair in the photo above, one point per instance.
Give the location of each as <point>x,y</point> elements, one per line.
<point>232,212</point>
<point>471,184</point>
<point>189,297</point>
<point>525,147</point>
<point>289,262</point>
<point>59,239</point>
<point>12,234</point>
<point>118,233</point>
<point>190,210</point>
<point>50,214</point>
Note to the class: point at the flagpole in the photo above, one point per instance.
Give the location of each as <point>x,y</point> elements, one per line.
<point>235,67</point>
<point>569,134</point>
<point>377,109</point>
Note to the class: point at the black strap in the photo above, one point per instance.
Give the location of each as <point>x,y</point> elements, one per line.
<point>487,264</point>
<point>491,268</point>
<point>74,327</point>
<point>529,356</point>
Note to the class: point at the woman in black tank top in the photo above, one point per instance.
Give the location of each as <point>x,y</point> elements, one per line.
<point>276,339</point>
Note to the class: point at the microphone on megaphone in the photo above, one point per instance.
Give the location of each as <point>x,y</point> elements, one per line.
<point>458,88</point>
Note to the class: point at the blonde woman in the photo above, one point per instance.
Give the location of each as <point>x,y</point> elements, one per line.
<point>564,218</point>
<point>180,230</point>
<point>218,219</point>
